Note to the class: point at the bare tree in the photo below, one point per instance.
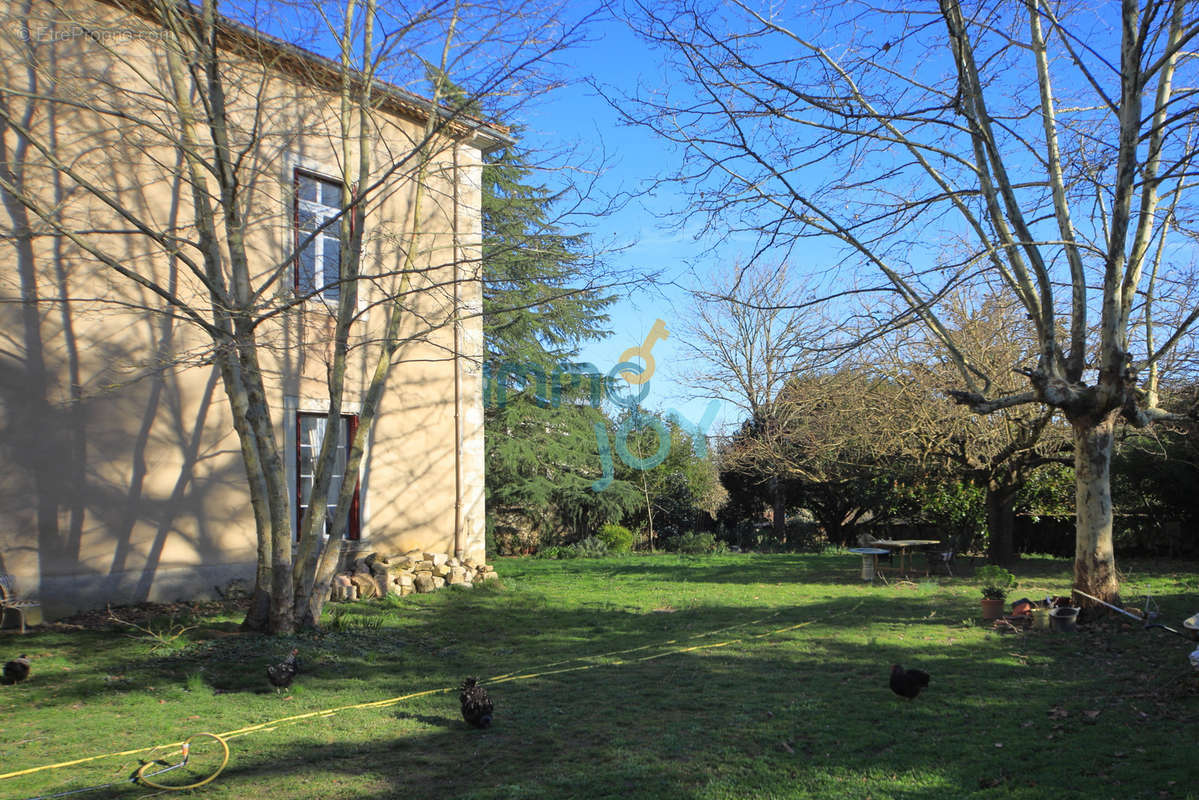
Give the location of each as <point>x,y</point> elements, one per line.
<point>195,113</point>
<point>996,452</point>
<point>746,336</point>
<point>1051,148</point>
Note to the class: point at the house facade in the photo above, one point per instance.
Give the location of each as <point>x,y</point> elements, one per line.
<point>121,475</point>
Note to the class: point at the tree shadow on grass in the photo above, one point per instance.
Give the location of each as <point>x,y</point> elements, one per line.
<point>794,568</point>
<point>790,715</point>
<point>433,721</point>
<point>467,633</point>
<point>701,725</point>
<point>712,700</point>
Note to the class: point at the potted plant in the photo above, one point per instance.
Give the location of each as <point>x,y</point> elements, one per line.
<point>995,582</point>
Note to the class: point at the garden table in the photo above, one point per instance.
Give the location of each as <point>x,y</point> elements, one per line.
<point>903,545</point>
<point>869,561</point>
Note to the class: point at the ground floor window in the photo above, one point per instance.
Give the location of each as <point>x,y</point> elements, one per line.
<point>310,431</point>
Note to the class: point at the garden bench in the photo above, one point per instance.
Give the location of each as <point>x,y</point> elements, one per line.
<point>14,612</point>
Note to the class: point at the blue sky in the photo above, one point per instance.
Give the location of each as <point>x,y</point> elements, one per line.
<point>648,243</point>
<point>577,116</point>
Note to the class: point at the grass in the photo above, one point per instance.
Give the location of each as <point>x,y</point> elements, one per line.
<point>733,676</point>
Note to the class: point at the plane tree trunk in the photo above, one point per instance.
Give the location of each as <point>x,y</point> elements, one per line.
<point>1094,553</point>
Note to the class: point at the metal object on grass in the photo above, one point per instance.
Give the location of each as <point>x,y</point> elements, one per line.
<point>1191,624</point>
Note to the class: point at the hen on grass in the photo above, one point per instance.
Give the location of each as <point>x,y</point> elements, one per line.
<point>476,705</point>
<point>907,682</point>
<point>16,670</point>
<point>280,675</point>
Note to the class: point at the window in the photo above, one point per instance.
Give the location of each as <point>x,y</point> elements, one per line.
<point>318,200</point>
<point>310,430</point>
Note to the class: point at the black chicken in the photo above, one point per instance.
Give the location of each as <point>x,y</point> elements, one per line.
<point>281,675</point>
<point>16,670</point>
<point>476,705</point>
<point>907,682</point>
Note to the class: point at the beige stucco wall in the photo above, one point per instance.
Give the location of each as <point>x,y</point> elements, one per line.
<point>120,474</point>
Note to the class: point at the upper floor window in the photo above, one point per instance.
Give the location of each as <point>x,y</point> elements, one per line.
<point>318,264</point>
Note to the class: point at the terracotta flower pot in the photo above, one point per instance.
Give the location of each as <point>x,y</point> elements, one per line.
<point>992,609</point>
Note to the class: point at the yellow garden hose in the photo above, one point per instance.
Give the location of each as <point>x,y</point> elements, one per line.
<point>541,671</point>
<point>186,748</point>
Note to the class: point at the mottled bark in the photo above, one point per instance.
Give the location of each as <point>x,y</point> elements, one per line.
<point>1094,554</point>
<point>258,615</point>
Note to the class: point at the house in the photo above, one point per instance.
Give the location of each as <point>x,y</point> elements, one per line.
<point>121,474</point>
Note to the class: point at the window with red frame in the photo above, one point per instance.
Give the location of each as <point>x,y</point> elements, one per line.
<point>310,431</point>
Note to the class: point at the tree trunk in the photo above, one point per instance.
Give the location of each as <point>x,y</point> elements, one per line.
<point>649,509</point>
<point>834,531</point>
<point>1001,518</point>
<point>1094,555</point>
<point>282,615</point>
<point>258,615</point>
<point>830,520</point>
<point>778,510</point>
<point>349,229</point>
<point>308,609</point>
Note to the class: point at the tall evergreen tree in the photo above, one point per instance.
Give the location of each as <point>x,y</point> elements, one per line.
<point>540,295</point>
<point>540,302</point>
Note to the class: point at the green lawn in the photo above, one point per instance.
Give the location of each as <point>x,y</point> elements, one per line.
<point>739,676</point>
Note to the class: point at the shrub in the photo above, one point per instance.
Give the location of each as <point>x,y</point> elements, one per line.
<point>994,593</point>
<point>618,538</point>
<point>995,581</point>
<point>695,543</point>
<point>591,547</point>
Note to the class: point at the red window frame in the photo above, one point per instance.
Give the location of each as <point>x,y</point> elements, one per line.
<point>353,528</point>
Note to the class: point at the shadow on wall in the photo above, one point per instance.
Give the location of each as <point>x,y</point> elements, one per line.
<point>121,477</point>
<point>104,427</point>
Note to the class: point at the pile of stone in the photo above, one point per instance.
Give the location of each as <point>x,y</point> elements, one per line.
<point>415,571</point>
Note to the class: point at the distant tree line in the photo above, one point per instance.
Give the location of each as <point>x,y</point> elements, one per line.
<point>889,490</point>
<point>852,429</point>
